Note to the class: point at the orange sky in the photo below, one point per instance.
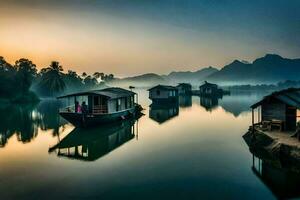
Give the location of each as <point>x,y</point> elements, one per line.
<point>88,40</point>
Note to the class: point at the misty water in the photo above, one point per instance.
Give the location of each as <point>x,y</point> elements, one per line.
<point>192,151</point>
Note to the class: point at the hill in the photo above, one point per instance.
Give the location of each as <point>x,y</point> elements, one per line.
<point>271,68</point>
<point>191,77</point>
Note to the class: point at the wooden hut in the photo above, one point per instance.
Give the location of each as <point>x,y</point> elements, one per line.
<point>278,109</point>
<point>163,94</point>
<point>209,89</point>
<point>184,89</point>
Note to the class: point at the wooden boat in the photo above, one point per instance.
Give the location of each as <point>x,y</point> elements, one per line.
<point>97,107</point>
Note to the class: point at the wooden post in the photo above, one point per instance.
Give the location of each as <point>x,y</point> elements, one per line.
<point>258,115</point>
<point>253,121</point>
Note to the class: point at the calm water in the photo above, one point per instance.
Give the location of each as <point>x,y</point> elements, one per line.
<point>193,151</point>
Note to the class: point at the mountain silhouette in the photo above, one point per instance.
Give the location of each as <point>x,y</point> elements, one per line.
<point>271,68</point>
<point>192,77</point>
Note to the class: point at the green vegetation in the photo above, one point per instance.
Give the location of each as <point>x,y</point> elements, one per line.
<point>22,83</point>
<point>16,80</point>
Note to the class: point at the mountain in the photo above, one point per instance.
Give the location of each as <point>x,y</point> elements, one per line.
<point>271,68</point>
<point>144,80</point>
<point>191,77</point>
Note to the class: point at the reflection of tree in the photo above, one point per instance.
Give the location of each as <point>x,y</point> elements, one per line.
<point>50,119</point>
<point>24,121</point>
<point>19,120</point>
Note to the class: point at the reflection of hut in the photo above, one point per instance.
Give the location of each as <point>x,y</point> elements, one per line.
<point>91,144</point>
<point>163,93</point>
<point>184,89</point>
<point>283,182</point>
<point>209,103</point>
<point>185,101</point>
<point>278,109</point>
<point>162,112</point>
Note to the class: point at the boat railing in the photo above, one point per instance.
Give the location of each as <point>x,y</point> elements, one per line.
<point>69,109</point>
<point>100,109</point>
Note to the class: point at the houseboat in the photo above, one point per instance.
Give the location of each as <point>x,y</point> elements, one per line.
<point>95,107</point>
<point>163,94</point>
<point>184,89</point>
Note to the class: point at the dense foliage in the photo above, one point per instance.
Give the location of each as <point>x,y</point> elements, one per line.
<point>19,80</point>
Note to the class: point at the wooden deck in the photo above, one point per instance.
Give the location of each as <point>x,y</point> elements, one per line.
<point>283,137</point>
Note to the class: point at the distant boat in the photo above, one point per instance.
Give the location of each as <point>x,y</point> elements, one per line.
<point>96,107</point>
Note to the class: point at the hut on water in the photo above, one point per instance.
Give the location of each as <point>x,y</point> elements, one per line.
<point>184,89</point>
<point>163,94</point>
<point>278,109</point>
<point>210,89</point>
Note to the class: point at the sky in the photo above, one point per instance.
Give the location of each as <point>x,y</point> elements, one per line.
<point>130,37</point>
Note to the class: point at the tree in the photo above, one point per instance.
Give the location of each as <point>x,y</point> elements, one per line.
<point>73,80</point>
<point>107,78</point>
<point>98,75</point>
<point>90,82</point>
<point>83,75</point>
<point>52,78</point>
<point>26,71</point>
<point>7,78</point>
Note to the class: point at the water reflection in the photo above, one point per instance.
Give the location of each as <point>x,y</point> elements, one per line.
<point>209,103</point>
<point>91,144</point>
<point>163,112</point>
<point>236,103</point>
<point>282,181</point>
<point>185,101</point>
<point>24,121</point>
<point>240,102</point>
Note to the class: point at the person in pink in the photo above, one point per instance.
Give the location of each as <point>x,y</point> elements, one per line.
<point>79,110</point>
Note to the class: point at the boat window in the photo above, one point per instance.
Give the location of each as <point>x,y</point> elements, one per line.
<point>96,100</point>
<point>157,92</point>
<point>126,102</point>
<point>118,106</point>
<point>132,101</point>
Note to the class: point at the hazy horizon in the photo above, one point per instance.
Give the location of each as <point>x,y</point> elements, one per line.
<point>129,38</point>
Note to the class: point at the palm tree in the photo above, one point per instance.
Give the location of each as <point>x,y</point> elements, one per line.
<point>52,78</point>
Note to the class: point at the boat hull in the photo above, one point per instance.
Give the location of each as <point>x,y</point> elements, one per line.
<point>88,120</point>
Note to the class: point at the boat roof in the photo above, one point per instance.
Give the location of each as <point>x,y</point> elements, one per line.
<point>112,93</point>
<point>289,96</point>
<point>208,84</point>
<point>165,87</point>
<point>184,84</point>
